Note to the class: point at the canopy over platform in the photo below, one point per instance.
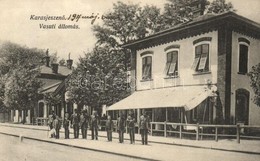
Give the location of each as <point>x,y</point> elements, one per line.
<point>187,97</point>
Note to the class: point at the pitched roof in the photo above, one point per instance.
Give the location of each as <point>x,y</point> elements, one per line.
<point>200,24</point>
<point>47,83</point>
<point>62,70</point>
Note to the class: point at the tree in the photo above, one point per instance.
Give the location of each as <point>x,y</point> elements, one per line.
<point>108,63</point>
<point>21,89</point>
<point>219,6</point>
<point>98,79</point>
<point>127,22</point>
<point>2,93</point>
<point>52,99</point>
<point>254,76</point>
<point>14,56</point>
<point>19,68</point>
<point>181,11</point>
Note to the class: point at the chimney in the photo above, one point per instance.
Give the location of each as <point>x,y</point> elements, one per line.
<point>69,62</point>
<point>55,67</point>
<point>47,58</point>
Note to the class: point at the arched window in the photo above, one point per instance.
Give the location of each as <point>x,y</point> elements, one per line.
<point>243,55</point>
<point>147,68</point>
<point>171,68</point>
<point>201,61</point>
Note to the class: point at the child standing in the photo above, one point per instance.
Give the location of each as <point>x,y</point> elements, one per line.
<point>109,128</point>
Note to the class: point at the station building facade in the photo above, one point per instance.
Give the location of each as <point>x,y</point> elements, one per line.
<point>196,72</point>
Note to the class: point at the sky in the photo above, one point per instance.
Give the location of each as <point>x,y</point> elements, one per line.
<point>17,26</point>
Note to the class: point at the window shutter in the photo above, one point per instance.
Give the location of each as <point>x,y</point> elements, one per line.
<point>195,63</point>
<point>203,61</point>
<point>173,63</point>
<point>172,68</point>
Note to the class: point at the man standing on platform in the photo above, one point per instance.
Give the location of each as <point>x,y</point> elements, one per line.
<point>121,127</point>
<point>131,128</point>
<point>144,125</point>
<point>84,124</point>
<point>75,123</point>
<point>66,126</point>
<point>94,125</point>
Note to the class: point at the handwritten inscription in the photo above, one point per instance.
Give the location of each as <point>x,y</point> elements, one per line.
<point>70,18</point>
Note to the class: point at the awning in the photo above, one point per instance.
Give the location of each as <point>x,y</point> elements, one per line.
<point>187,97</point>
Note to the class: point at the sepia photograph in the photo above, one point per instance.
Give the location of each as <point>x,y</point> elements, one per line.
<point>129,80</point>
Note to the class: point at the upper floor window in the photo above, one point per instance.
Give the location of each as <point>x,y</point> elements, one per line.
<point>243,56</point>
<point>147,67</point>
<point>201,61</point>
<point>171,68</point>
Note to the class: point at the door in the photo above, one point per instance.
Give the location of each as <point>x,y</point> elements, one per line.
<point>242,106</point>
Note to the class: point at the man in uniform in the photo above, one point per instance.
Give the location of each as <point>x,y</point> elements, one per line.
<point>144,127</point>
<point>109,128</point>
<point>50,121</point>
<point>94,125</point>
<point>66,124</point>
<point>131,128</point>
<point>75,123</point>
<point>56,126</point>
<point>83,124</point>
<point>121,127</point>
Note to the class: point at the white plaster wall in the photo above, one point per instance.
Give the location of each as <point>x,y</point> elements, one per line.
<point>243,81</point>
<point>186,58</point>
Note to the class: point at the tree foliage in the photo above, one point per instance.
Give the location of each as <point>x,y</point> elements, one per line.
<point>98,79</point>
<point>254,76</point>
<point>179,11</point>
<point>52,99</point>
<point>219,6</point>
<point>19,71</point>
<point>21,88</point>
<point>127,22</point>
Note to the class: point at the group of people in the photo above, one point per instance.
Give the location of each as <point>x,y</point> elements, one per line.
<point>81,121</point>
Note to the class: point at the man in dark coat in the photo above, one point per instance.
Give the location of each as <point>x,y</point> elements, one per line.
<point>94,125</point>
<point>131,128</point>
<point>50,121</point>
<point>84,124</point>
<point>109,128</point>
<point>144,125</point>
<point>56,126</point>
<point>75,123</point>
<point>121,128</point>
<point>66,123</point>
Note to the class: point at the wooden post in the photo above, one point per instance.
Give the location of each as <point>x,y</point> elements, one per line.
<point>165,130</point>
<point>197,132</point>
<point>151,125</point>
<point>238,133</point>
<point>181,131</point>
<point>138,119</point>
<point>216,134</point>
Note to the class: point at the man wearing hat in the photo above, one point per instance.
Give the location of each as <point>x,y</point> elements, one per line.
<point>84,124</point>
<point>94,125</point>
<point>75,123</point>
<point>121,127</point>
<point>144,127</point>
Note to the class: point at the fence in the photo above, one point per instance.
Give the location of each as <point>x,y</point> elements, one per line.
<point>39,121</point>
<point>201,130</point>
